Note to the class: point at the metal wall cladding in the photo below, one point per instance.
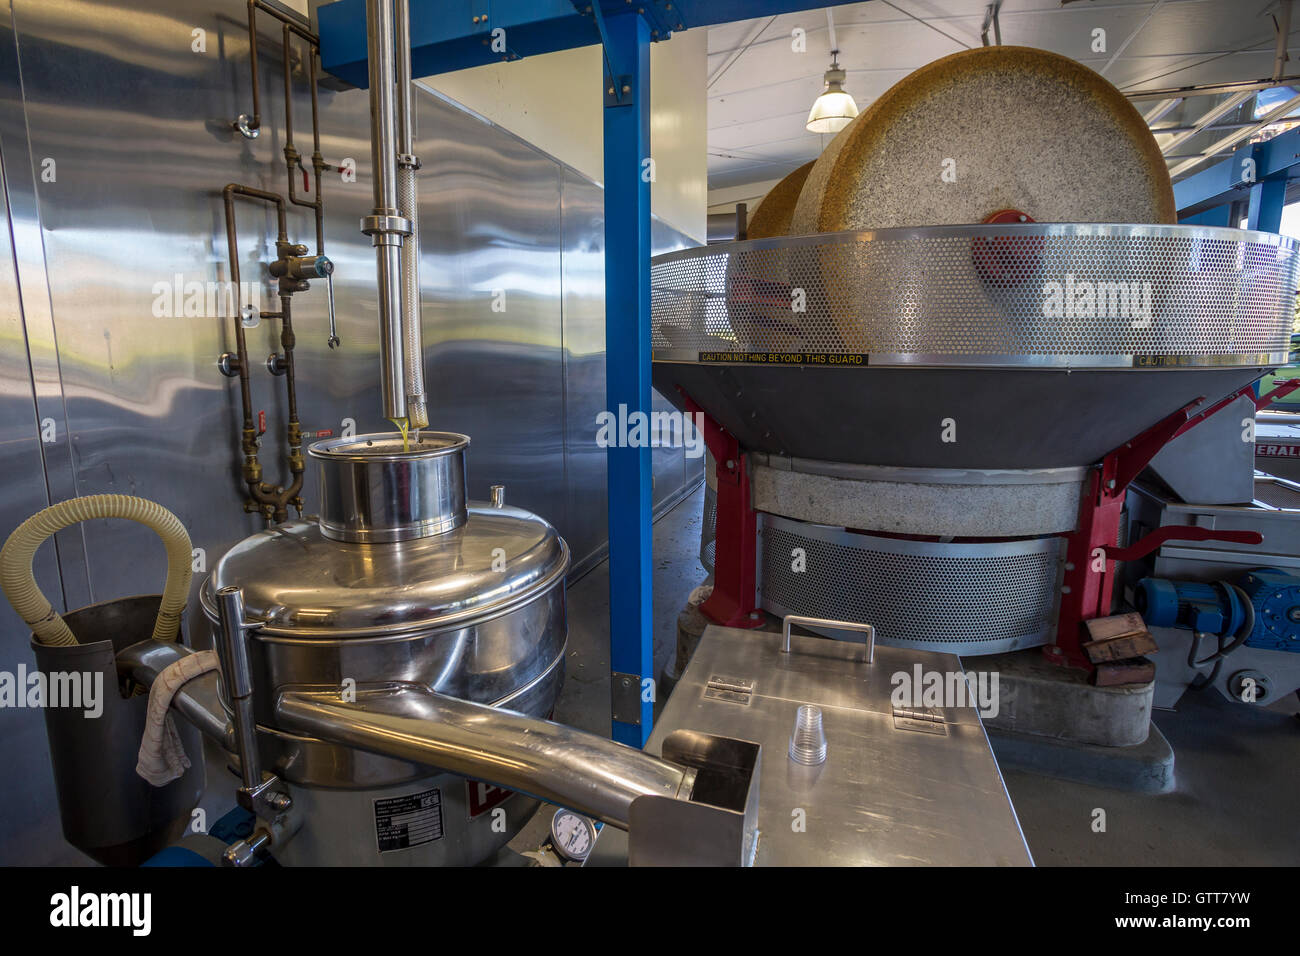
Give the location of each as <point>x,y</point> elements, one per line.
<point>28,790</point>
<point>115,148</point>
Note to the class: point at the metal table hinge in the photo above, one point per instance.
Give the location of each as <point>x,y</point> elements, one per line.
<point>735,689</point>
<point>925,720</point>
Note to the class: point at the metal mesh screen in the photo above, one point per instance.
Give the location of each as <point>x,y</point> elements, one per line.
<point>709,528</point>
<point>1012,294</point>
<point>961,598</point>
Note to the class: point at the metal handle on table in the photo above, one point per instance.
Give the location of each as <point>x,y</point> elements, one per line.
<point>802,621</point>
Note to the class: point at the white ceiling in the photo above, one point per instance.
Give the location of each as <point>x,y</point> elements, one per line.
<point>761,89</point>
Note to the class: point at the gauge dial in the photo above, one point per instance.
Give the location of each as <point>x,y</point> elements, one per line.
<point>572,835</point>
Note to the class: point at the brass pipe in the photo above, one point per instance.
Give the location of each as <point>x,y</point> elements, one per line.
<point>273,500</point>
<point>255,121</point>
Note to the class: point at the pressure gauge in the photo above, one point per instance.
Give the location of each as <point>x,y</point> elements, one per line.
<point>572,835</point>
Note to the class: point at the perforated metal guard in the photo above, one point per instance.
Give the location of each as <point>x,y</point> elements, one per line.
<point>1038,294</point>
<point>709,529</point>
<point>967,599</point>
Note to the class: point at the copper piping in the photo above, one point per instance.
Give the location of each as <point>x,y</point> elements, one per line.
<point>274,500</point>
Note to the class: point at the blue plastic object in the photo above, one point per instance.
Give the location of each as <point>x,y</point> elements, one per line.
<point>236,824</point>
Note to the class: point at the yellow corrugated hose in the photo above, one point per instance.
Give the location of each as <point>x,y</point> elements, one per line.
<point>19,584</point>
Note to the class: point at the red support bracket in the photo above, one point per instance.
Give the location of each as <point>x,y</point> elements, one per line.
<point>1280,390</point>
<point>1179,532</point>
<point>734,602</point>
<point>1088,587</point>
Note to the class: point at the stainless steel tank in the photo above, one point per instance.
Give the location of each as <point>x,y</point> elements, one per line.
<point>400,582</point>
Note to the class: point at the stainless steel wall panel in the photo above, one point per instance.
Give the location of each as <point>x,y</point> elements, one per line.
<point>28,251</point>
<point>583,278</point>
<point>28,827</point>
<point>137,123</point>
<point>22,492</point>
<point>490,271</point>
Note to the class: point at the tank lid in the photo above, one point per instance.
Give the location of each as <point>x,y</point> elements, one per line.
<point>304,584</point>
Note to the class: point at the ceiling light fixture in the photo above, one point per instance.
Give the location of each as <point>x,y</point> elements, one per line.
<point>833,109</point>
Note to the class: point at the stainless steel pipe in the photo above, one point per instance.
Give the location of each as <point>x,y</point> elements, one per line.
<point>391,389</point>
<point>408,198</point>
<point>197,700</point>
<point>537,757</point>
<point>383,107</point>
<point>386,225</point>
<point>239,682</point>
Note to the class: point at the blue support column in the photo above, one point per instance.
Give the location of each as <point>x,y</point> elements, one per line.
<point>627,368</point>
<point>1266,201</point>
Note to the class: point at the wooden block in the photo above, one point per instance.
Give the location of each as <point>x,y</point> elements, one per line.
<point>1120,648</point>
<point>1137,670</point>
<point>1117,625</point>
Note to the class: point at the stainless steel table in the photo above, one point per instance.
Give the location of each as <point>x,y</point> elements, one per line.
<point>898,787</point>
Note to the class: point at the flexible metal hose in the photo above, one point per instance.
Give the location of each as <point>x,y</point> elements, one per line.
<point>19,584</point>
<point>412,334</point>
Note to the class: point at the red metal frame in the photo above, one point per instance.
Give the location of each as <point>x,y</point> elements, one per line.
<point>735,554</point>
<point>1088,589</point>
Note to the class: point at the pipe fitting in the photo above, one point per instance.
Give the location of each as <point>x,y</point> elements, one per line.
<point>386,225</point>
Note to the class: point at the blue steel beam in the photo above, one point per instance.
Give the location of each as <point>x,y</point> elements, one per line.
<point>1266,201</point>
<point>627,366</point>
<point>449,35</point>
<point>1244,173</point>
<point>1217,216</point>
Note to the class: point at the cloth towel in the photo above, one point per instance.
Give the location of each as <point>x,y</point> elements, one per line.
<point>162,756</point>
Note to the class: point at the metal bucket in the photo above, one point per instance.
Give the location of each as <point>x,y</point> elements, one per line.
<point>374,492</point>
<point>108,811</point>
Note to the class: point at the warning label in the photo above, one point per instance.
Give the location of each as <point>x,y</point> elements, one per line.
<point>782,358</point>
<point>402,822</point>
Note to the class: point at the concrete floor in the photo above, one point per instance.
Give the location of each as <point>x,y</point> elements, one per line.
<point>1237,768</point>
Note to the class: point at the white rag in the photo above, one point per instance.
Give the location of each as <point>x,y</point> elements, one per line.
<point>162,755</point>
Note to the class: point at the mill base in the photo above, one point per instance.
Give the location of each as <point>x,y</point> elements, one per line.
<point>1039,698</point>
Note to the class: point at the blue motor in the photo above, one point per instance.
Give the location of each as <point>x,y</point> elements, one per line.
<point>1276,597</point>
<point>1266,600</point>
<point>1215,608</point>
